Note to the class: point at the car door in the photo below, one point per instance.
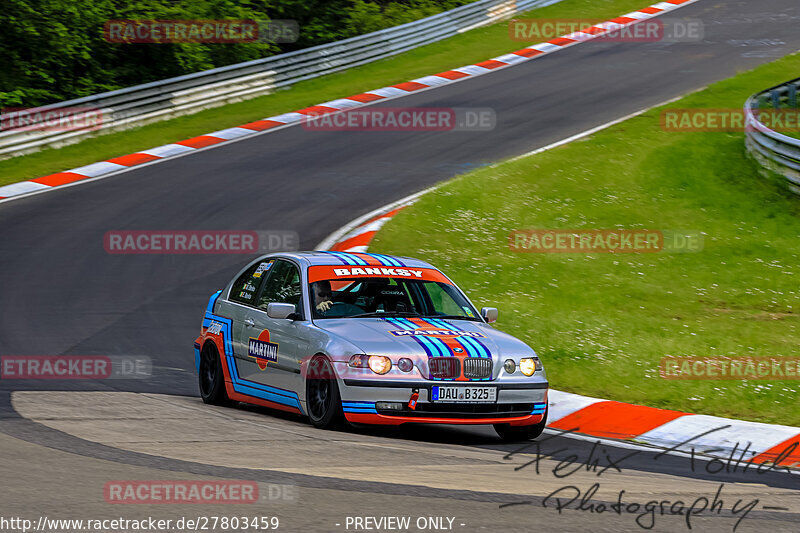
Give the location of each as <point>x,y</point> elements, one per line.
<point>271,349</point>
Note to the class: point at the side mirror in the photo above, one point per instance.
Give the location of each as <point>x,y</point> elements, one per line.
<point>279,310</point>
<point>489,314</point>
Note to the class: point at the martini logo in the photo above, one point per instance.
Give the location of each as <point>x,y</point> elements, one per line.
<point>435,333</point>
<point>262,350</point>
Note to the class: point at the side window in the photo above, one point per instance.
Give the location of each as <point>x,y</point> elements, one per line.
<point>245,288</point>
<point>282,286</point>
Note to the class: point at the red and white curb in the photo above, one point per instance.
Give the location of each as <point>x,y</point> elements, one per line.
<point>713,436</point>
<point>124,163</point>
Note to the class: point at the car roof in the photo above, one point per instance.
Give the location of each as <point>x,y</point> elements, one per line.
<point>356,259</point>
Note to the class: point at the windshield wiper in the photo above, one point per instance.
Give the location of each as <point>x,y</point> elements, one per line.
<point>451,317</point>
<point>379,314</point>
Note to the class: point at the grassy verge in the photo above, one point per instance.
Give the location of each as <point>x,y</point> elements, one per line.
<point>602,322</point>
<point>470,47</point>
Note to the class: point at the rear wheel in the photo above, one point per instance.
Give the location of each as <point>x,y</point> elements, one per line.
<point>322,394</point>
<point>211,379</point>
<point>511,433</point>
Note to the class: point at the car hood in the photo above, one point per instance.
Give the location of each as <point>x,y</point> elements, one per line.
<point>425,337</point>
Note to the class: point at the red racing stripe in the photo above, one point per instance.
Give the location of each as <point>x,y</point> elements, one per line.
<point>562,41</point>
<point>616,420</point>
<point>491,64</point>
<point>594,30</point>
<point>372,418</point>
<point>200,141</point>
<point>788,456</point>
<point>365,97</point>
<point>133,159</point>
<point>62,178</point>
<point>410,86</point>
<point>390,214</point>
<point>317,110</point>
<point>359,240</point>
<point>527,52</point>
<point>452,75</point>
<point>261,125</point>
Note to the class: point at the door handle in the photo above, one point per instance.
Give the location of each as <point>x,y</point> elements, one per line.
<point>249,323</point>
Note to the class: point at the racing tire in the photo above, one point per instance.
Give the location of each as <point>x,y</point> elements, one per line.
<point>210,377</point>
<point>322,395</point>
<point>511,433</point>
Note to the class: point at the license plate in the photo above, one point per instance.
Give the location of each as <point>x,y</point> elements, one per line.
<point>464,394</point>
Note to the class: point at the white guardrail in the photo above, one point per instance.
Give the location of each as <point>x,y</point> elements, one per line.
<point>160,100</point>
<point>774,151</point>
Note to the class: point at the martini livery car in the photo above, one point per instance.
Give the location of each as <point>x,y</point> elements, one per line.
<point>366,339</point>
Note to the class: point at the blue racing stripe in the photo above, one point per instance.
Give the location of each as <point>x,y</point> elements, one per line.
<point>353,257</point>
<point>347,259</point>
<point>391,261</point>
<point>212,301</point>
<point>439,323</point>
<point>477,345</point>
<point>336,256</point>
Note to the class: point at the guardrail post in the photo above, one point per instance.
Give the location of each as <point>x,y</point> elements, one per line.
<point>793,96</point>
<point>776,98</point>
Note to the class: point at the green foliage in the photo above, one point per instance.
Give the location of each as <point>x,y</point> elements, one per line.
<point>603,322</point>
<point>55,49</point>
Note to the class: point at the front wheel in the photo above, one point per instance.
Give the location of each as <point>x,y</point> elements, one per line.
<point>322,394</point>
<point>511,433</point>
<point>211,380</point>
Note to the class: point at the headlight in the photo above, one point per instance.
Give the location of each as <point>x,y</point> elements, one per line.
<point>527,366</point>
<point>380,364</point>
<point>510,366</point>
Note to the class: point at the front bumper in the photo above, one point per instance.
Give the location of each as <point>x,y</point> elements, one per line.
<point>518,403</point>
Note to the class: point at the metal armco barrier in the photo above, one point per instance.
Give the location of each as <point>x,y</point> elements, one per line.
<point>160,100</point>
<point>774,151</point>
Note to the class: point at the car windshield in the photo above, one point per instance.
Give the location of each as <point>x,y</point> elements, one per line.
<point>379,297</point>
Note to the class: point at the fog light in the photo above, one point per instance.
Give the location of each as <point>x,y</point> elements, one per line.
<point>405,364</point>
<point>527,366</point>
<point>510,366</point>
<point>380,364</point>
<point>389,405</point>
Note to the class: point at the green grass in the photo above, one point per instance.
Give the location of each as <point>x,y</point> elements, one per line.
<point>602,322</point>
<point>473,46</point>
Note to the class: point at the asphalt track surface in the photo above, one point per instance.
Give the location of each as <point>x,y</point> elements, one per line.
<point>63,294</point>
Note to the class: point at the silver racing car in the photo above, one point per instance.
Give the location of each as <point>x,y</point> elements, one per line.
<point>365,338</point>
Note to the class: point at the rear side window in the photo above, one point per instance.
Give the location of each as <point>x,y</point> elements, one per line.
<point>283,285</point>
<point>245,288</point>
